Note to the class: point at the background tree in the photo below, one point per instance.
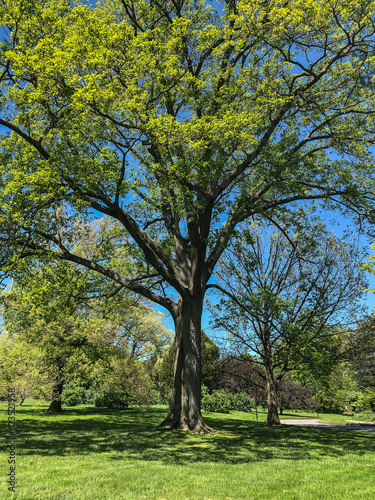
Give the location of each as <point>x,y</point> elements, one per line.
<point>239,374</point>
<point>20,368</point>
<point>180,122</point>
<point>294,396</point>
<point>285,298</point>
<point>362,352</point>
<point>58,312</point>
<point>48,309</point>
<point>139,329</point>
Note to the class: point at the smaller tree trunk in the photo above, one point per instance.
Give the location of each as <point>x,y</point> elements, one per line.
<point>272,415</point>
<point>23,396</point>
<point>55,406</point>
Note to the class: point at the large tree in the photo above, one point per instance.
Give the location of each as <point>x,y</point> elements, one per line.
<point>180,122</point>
<point>212,369</point>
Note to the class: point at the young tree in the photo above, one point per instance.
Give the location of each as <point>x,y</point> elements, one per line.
<point>285,300</point>
<point>180,122</point>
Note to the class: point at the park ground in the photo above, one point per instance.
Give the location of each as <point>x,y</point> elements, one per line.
<point>94,453</point>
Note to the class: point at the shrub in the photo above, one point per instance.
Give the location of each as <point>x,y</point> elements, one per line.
<point>331,401</point>
<point>368,417</point>
<point>222,401</point>
<point>365,400</point>
<point>71,398</point>
<point>219,401</point>
<point>128,380</point>
<point>161,397</point>
<point>114,400</point>
<point>74,395</point>
<point>241,401</point>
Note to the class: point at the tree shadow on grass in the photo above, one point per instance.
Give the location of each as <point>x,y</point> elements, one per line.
<point>133,435</point>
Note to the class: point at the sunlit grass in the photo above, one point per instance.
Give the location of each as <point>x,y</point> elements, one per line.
<point>91,453</point>
<point>323,417</point>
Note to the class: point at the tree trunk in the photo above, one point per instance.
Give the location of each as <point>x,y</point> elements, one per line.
<point>23,396</point>
<point>256,401</point>
<point>55,406</point>
<point>185,407</point>
<point>272,416</point>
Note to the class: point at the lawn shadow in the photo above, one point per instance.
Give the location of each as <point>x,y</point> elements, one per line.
<point>133,434</point>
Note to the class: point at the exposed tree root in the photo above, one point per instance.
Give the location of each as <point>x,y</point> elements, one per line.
<point>199,426</point>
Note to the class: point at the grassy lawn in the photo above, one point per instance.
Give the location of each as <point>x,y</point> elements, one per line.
<point>323,417</point>
<point>91,453</point>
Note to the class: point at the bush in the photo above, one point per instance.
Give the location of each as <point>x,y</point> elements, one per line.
<point>71,398</point>
<point>222,401</point>
<point>74,395</point>
<point>329,400</point>
<point>219,401</point>
<point>367,417</point>
<point>365,400</point>
<point>241,401</point>
<point>162,397</point>
<point>114,400</point>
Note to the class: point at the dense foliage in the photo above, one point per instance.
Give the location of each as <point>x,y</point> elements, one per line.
<point>222,401</point>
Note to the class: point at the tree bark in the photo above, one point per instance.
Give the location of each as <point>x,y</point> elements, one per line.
<point>55,406</point>
<point>272,415</point>
<point>185,407</point>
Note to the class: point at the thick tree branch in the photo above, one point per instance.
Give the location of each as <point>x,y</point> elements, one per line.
<point>36,144</point>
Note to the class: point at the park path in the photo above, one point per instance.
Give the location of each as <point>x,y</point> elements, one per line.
<point>315,422</point>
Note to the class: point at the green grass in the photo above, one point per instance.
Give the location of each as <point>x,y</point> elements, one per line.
<point>91,453</point>
<point>323,417</point>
